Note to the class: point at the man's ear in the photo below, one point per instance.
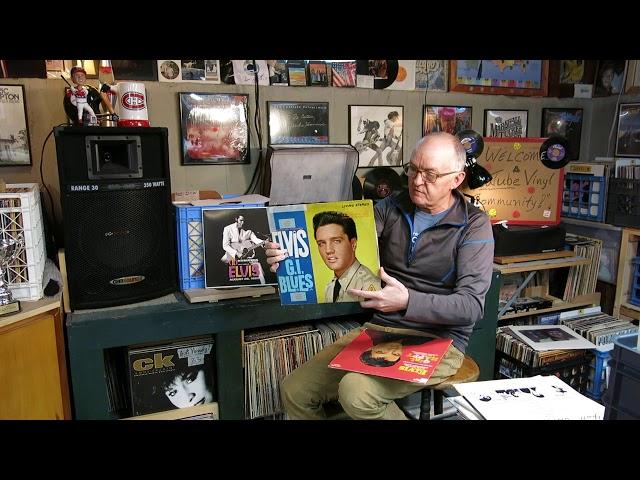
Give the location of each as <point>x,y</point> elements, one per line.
<point>354,243</point>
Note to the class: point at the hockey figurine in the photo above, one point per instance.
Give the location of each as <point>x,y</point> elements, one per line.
<point>79,93</point>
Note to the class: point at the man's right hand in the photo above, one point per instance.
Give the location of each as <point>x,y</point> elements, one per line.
<point>274,255</point>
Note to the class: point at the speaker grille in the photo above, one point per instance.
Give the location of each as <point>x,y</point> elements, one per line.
<point>117,236</point>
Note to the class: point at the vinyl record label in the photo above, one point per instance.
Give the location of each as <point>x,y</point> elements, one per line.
<point>472,142</point>
<point>554,152</point>
<point>381,182</point>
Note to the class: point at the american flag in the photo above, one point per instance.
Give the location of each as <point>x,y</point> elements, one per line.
<point>343,74</point>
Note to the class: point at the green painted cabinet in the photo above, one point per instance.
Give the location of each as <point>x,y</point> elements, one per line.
<point>91,333</point>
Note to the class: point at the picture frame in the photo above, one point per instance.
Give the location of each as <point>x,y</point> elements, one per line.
<point>446,118</point>
<point>565,74</point>
<point>214,128</point>
<point>632,82</point>
<point>609,78</point>
<point>628,133</point>
<point>505,123</point>
<point>143,70</point>
<point>15,146</point>
<point>293,123</point>
<point>501,77</point>
<point>372,130</point>
<point>432,75</point>
<point>566,122</point>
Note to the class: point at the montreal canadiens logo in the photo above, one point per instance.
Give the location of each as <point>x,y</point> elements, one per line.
<point>133,101</point>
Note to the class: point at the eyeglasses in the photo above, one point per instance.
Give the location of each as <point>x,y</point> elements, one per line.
<point>428,176</point>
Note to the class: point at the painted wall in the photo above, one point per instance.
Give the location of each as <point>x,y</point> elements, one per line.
<point>44,110</point>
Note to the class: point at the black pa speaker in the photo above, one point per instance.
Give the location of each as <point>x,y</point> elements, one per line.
<point>119,226</point>
<point>523,240</point>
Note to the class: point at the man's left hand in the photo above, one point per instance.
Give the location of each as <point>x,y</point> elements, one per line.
<point>392,298</point>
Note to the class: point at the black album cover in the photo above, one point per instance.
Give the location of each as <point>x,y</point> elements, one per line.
<point>176,375</point>
<point>233,252</point>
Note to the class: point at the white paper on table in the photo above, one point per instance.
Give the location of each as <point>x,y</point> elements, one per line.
<point>534,398</point>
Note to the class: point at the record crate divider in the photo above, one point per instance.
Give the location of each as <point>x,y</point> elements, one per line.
<point>190,244</point>
<point>626,303</point>
<point>584,209</point>
<point>21,214</point>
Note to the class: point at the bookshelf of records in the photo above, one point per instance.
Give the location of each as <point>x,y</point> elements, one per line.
<point>177,379</point>
<point>558,292</point>
<point>163,381</point>
<point>585,369</point>
<point>551,285</point>
<point>270,354</point>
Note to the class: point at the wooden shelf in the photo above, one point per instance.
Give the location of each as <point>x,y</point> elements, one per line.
<point>180,413</point>
<point>626,269</point>
<point>630,311</point>
<point>558,304</point>
<point>540,265</point>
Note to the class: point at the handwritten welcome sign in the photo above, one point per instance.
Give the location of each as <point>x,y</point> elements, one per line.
<point>523,191</point>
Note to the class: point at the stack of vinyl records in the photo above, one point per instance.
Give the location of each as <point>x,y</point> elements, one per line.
<point>509,344</point>
<point>582,279</point>
<point>600,328</point>
<point>271,354</point>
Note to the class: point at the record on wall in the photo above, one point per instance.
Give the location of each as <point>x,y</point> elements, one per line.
<point>381,182</point>
<point>471,141</point>
<point>554,152</point>
<point>384,72</point>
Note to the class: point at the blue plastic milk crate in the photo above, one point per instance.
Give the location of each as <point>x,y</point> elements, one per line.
<point>583,197</point>
<point>599,374</point>
<point>189,242</point>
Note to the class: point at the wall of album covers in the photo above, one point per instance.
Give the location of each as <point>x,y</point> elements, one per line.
<point>43,99</point>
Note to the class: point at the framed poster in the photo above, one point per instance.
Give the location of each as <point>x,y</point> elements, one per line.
<point>214,128</point>
<point>565,74</point>
<point>628,137</point>
<point>376,133</point>
<point>445,118</point>
<point>566,122</point>
<point>609,78</point>
<point>505,123</point>
<point>14,131</point>
<point>298,122</point>
<point>432,75</point>
<point>135,70</point>
<point>505,77</point>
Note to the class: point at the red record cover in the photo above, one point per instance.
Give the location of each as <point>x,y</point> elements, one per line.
<point>392,355</point>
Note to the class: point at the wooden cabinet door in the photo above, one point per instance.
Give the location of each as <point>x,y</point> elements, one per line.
<point>33,370</point>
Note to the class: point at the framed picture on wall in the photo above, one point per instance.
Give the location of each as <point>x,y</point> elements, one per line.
<point>628,137</point>
<point>135,70</point>
<point>14,130</point>
<point>505,123</point>
<point>506,77</point>
<point>566,122</point>
<point>298,122</point>
<point>376,133</point>
<point>609,78</point>
<point>445,118</point>
<point>214,128</point>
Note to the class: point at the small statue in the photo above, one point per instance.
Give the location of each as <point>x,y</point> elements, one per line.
<point>79,95</point>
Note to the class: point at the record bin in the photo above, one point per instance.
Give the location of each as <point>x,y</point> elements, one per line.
<point>190,246</point>
<point>574,372</point>
<point>622,400</point>
<point>623,202</point>
<point>584,197</point>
